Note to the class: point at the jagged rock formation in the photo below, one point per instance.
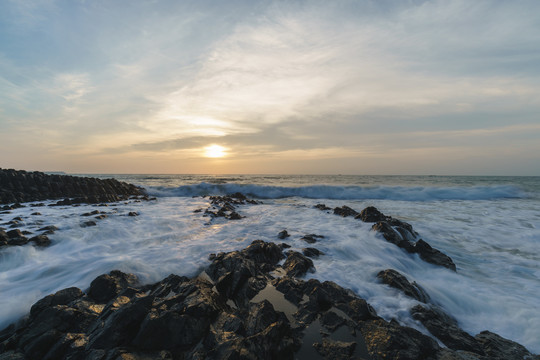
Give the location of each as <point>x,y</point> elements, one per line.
<point>237,309</point>
<point>17,186</point>
<point>396,232</point>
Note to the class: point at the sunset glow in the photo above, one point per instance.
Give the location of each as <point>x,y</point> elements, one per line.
<point>214,151</point>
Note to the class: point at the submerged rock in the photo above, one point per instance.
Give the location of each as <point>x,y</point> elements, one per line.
<point>396,280</point>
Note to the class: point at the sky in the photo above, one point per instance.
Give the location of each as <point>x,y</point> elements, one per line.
<point>447,87</point>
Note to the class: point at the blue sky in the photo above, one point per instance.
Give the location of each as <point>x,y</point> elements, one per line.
<point>352,87</point>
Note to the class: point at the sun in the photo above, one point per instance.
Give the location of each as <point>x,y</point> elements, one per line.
<point>214,151</point>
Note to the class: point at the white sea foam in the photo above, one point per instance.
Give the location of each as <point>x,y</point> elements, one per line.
<point>493,242</point>
<point>403,193</point>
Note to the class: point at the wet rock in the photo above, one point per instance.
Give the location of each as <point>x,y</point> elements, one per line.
<point>398,281</point>
<point>312,252</point>
<point>41,240</point>
<point>345,211</point>
<point>497,347</point>
<point>21,186</point>
<point>322,207</point>
<point>335,350</point>
<point>88,224</point>
<point>392,235</point>
<point>297,264</point>
<point>35,213</point>
<point>311,238</point>
<point>14,237</point>
<point>101,217</point>
<point>95,212</point>
<point>371,214</point>
<point>283,234</point>
<point>402,235</point>
<point>446,329</point>
<point>234,216</point>
<point>392,341</point>
<point>133,213</point>
<point>212,317</point>
<point>107,286</point>
<point>433,256</point>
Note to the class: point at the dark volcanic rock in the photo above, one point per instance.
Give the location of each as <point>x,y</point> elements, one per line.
<point>371,214</point>
<point>391,341</point>
<point>283,234</point>
<point>322,207</point>
<point>433,256</point>
<point>336,350</point>
<point>345,211</point>
<point>107,286</point>
<point>297,264</point>
<point>41,240</point>
<point>392,235</point>
<point>497,347</point>
<point>446,329</point>
<point>311,238</point>
<point>396,280</point>
<point>234,310</point>
<point>18,186</point>
<point>312,252</point>
<point>402,234</point>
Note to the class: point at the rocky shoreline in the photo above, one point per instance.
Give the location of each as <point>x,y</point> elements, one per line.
<point>18,186</point>
<point>246,304</point>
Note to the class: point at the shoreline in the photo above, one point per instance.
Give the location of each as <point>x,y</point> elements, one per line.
<point>226,207</point>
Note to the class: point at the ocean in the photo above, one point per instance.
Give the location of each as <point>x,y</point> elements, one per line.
<point>489,226</point>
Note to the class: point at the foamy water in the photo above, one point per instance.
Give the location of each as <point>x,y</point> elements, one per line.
<point>490,228</point>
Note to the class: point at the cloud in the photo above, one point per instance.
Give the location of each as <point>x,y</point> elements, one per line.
<point>271,79</point>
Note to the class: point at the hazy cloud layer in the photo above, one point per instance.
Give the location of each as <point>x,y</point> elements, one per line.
<point>303,86</point>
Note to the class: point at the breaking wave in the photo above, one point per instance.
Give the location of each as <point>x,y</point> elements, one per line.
<point>402,193</point>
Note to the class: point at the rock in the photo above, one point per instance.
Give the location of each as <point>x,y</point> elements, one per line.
<point>297,264</point>
<point>371,214</point>
<point>133,213</point>
<point>13,238</point>
<point>101,217</point>
<point>402,235</point>
<point>216,317</point>
<point>433,256</point>
<point>396,280</point>
<point>345,211</point>
<point>446,329</point>
<point>392,341</point>
<point>15,233</point>
<point>335,350</point>
<point>497,347</point>
<point>311,238</point>
<point>105,287</point>
<point>312,252</point>
<point>234,216</point>
<point>35,213</point>
<point>392,235</point>
<point>50,229</point>
<point>88,224</point>
<point>95,212</point>
<point>21,186</point>
<point>322,207</point>
<point>41,240</point>
<point>283,234</point>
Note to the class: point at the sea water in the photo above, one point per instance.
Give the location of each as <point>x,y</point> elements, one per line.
<point>489,226</point>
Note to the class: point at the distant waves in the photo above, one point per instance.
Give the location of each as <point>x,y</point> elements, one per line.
<point>400,193</point>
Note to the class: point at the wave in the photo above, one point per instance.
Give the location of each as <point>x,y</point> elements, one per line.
<point>382,192</point>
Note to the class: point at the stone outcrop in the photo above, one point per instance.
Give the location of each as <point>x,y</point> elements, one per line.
<point>235,309</point>
<point>18,186</point>
<point>396,280</point>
